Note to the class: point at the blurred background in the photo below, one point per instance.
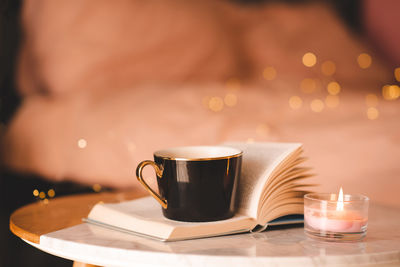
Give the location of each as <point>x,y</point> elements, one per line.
<point>90,88</point>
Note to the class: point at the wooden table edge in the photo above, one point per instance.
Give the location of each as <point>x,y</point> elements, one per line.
<point>31,221</point>
<point>21,233</point>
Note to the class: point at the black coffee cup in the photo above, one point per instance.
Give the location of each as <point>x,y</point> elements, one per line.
<point>196,183</point>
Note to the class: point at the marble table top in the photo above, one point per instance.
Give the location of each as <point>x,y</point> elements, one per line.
<point>278,247</point>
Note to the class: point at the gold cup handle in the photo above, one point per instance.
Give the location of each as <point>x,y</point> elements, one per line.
<point>159,170</point>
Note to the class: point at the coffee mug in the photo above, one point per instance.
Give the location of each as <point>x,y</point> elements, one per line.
<point>195,183</point>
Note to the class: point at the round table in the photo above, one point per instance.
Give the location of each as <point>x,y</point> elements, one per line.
<point>56,227</point>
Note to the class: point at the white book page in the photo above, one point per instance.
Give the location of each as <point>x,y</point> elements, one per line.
<point>258,163</point>
<point>145,216</point>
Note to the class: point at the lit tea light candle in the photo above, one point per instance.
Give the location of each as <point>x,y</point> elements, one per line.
<point>336,217</point>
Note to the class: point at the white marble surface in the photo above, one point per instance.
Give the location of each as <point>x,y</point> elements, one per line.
<point>284,247</point>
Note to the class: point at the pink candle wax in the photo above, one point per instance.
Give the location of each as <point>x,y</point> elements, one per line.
<point>336,217</point>
<point>342,221</point>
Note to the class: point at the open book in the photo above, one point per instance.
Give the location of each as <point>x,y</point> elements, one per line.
<point>269,190</point>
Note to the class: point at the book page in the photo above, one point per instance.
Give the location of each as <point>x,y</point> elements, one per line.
<point>259,161</point>
<point>144,217</point>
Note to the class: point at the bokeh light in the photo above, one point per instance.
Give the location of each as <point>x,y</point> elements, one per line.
<point>328,68</point>
<point>364,60</point>
<point>216,104</point>
<point>390,92</point>
<point>309,59</point>
<point>333,88</point>
<point>35,192</point>
<point>82,143</point>
<point>51,193</point>
<point>295,102</point>
<point>230,100</point>
<point>317,105</point>
<point>332,101</point>
<point>269,73</point>
<point>42,195</point>
<point>96,188</point>
<point>397,74</point>
<point>372,113</point>
<point>308,85</point>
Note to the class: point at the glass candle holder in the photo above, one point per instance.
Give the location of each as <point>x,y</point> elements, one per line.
<point>333,218</point>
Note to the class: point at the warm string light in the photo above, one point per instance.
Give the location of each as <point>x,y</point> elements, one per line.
<point>96,188</point>
<point>269,73</point>
<point>51,193</point>
<point>332,101</point>
<point>372,113</point>
<point>309,59</point>
<point>230,100</point>
<point>216,104</point>
<point>328,68</point>
<point>397,74</point>
<point>391,92</point>
<point>371,100</point>
<point>42,195</point>
<point>364,60</point>
<point>295,102</point>
<point>308,85</point>
<point>333,88</point>
<point>36,193</point>
<point>317,105</point>
<point>82,143</point>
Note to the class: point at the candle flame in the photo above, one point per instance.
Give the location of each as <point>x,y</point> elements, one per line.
<point>340,205</point>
